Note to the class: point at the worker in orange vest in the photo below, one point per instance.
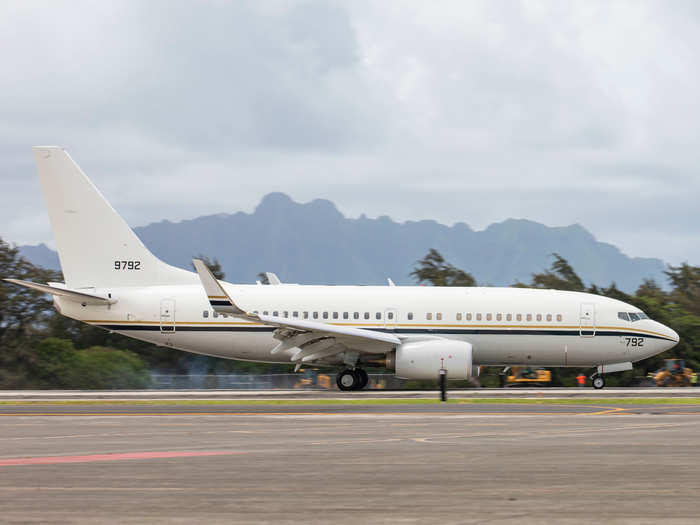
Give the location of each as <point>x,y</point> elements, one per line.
<point>581,379</point>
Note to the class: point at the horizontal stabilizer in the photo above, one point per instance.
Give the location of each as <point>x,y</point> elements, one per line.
<point>73,295</point>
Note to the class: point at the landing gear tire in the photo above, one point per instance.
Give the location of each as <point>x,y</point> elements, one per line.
<point>362,377</point>
<point>598,382</point>
<point>347,380</point>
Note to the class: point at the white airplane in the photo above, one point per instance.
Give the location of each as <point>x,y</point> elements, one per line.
<point>113,281</point>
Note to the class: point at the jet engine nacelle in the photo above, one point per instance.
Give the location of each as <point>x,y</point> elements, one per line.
<point>424,359</point>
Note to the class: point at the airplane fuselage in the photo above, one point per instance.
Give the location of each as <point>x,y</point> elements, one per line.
<point>506,326</point>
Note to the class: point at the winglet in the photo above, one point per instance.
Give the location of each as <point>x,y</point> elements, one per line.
<point>272,278</point>
<point>218,298</point>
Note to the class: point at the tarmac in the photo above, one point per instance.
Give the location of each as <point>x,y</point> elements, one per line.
<point>335,394</point>
<point>321,458</point>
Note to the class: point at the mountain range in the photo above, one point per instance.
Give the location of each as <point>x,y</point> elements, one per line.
<point>313,243</point>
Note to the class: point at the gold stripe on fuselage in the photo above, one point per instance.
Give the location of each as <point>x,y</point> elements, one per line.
<point>381,325</point>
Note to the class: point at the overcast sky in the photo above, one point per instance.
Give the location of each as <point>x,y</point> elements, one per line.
<point>559,112</point>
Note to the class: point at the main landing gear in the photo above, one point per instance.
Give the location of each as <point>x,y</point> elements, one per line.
<point>598,381</point>
<point>349,379</point>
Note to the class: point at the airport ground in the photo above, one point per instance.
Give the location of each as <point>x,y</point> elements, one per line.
<point>319,458</point>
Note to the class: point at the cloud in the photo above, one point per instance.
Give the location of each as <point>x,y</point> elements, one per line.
<point>579,112</point>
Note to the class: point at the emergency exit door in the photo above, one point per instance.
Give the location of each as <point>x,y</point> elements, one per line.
<point>587,320</point>
<point>167,316</point>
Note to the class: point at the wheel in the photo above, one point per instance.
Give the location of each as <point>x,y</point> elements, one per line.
<point>598,382</point>
<point>347,380</point>
<point>362,377</point>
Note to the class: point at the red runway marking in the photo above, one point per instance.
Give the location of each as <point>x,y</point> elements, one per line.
<point>53,460</point>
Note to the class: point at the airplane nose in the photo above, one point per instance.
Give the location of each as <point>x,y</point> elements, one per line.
<point>671,334</point>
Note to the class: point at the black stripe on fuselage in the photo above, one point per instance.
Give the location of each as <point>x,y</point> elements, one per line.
<point>421,331</point>
<point>219,303</point>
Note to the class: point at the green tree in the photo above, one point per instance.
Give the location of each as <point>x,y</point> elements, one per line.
<point>560,276</point>
<point>21,310</point>
<point>435,270</point>
<point>686,286</point>
<point>56,363</point>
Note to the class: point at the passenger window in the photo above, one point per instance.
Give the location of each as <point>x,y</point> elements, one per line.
<point>410,316</point>
<point>378,316</point>
<point>478,317</point>
<point>529,317</point>
<point>519,317</point>
<point>286,314</point>
<point>275,313</point>
<point>549,317</point>
<point>489,317</point>
<point>429,316</point>
<point>499,317</point>
<point>265,312</point>
<point>438,316</point>
<point>335,315</point>
<point>295,314</point>
<point>306,315</point>
<point>356,315</point>
<point>205,313</point>
<point>366,315</point>
<point>559,317</point>
<point>459,317</point>
<point>539,317</point>
<point>325,315</point>
<point>509,317</point>
<point>346,315</point>
<point>315,315</point>
<point>469,317</point>
<point>390,315</point>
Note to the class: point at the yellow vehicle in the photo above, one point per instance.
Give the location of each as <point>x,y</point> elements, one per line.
<point>674,373</point>
<point>312,379</point>
<point>526,376</point>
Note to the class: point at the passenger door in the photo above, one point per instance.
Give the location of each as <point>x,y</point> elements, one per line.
<point>587,320</point>
<point>167,316</point>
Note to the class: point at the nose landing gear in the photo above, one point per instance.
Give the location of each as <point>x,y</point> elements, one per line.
<point>348,379</point>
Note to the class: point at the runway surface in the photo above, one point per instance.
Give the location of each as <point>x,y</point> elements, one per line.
<point>335,394</point>
<point>240,462</point>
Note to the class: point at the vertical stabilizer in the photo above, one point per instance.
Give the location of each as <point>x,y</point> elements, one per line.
<point>95,245</point>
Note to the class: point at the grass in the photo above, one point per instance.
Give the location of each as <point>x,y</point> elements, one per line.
<point>360,402</point>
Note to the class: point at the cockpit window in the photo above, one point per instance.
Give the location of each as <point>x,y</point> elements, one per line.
<point>632,316</point>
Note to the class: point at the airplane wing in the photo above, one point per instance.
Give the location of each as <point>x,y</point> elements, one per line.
<point>74,295</point>
<point>306,341</point>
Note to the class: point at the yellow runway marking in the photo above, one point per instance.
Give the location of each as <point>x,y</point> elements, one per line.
<point>608,410</point>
